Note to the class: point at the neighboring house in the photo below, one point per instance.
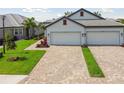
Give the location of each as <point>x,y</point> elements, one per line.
<point>14,26</point>
<point>47,22</point>
<point>84,28</point>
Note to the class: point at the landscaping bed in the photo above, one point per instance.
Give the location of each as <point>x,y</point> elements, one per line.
<point>93,67</point>
<point>26,59</point>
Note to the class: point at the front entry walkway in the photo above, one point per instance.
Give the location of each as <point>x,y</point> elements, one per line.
<point>61,64</point>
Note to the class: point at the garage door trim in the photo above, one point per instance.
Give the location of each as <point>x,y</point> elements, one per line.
<point>65,32</point>
<point>100,31</point>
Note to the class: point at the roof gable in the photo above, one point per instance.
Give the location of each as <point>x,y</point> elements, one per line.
<point>87,15</point>
<point>100,22</point>
<point>62,19</point>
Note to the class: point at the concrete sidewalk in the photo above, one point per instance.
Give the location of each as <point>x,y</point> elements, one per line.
<point>11,79</point>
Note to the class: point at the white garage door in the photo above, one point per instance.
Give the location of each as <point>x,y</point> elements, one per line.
<point>103,38</point>
<point>65,38</point>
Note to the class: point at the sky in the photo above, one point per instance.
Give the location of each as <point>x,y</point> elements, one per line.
<point>43,14</point>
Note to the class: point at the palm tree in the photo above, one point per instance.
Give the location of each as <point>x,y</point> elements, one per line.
<point>29,24</point>
<point>98,13</point>
<point>41,27</point>
<point>67,13</point>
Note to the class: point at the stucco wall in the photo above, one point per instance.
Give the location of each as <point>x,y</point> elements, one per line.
<point>7,30</point>
<point>59,27</point>
<point>71,26</point>
<point>11,32</point>
<point>86,16</point>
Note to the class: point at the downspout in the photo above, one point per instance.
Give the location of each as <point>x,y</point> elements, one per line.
<point>47,35</point>
<point>85,37</point>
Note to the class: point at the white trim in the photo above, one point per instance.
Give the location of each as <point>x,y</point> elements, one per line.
<point>65,32</point>
<point>21,29</point>
<point>102,31</point>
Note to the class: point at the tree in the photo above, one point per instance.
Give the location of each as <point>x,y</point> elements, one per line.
<point>10,43</point>
<point>29,24</point>
<point>98,13</point>
<point>121,20</point>
<point>4,42</point>
<point>41,27</point>
<point>67,13</point>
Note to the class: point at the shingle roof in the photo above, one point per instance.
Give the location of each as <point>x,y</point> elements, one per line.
<point>102,22</point>
<point>99,23</point>
<point>47,22</point>
<point>63,18</point>
<point>13,20</point>
<point>85,11</point>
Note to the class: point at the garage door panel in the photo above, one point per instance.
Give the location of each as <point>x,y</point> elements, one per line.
<point>103,38</point>
<point>65,38</point>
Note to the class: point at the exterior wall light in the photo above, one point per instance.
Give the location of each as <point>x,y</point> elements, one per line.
<point>48,34</point>
<point>122,33</point>
<point>83,34</point>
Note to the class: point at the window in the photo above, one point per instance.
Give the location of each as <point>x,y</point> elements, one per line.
<point>81,13</point>
<point>18,31</point>
<point>64,22</point>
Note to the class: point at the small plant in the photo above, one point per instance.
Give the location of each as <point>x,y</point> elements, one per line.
<point>10,43</point>
<point>43,43</point>
<point>14,59</point>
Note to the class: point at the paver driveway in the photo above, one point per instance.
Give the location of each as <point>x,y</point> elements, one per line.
<point>111,60</point>
<point>66,64</point>
<point>61,64</point>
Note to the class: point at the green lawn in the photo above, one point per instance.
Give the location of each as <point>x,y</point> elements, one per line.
<point>93,68</point>
<point>20,67</point>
